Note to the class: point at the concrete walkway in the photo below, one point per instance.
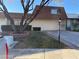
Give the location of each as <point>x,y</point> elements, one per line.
<point>45,53</point>
<point>69,38</point>
<point>2,49</point>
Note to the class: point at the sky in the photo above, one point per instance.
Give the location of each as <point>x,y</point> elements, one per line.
<point>71,6</point>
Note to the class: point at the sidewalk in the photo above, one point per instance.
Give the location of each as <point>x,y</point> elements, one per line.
<point>45,54</point>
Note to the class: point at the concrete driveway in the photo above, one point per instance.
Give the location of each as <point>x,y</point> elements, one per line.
<point>69,38</point>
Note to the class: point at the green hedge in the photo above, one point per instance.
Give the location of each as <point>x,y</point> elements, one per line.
<point>9,28</point>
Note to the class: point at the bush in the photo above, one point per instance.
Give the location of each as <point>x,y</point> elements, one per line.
<point>9,28</point>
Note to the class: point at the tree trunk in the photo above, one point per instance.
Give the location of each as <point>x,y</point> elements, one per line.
<point>8,16</point>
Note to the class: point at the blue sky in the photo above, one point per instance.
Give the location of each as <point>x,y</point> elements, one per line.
<point>71,6</point>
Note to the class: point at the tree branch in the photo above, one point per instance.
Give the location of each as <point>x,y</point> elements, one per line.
<point>31,3</point>
<point>1,9</point>
<point>22,3</point>
<point>26,11</point>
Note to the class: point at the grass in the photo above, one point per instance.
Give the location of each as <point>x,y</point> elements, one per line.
<point>39,40</point>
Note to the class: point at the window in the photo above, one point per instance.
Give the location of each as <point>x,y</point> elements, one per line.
<point>54,11</point>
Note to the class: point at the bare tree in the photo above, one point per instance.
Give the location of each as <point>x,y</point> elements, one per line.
<point>26,20</point>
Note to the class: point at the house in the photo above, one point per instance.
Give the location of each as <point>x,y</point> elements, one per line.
<point>73,21</point>
<point>48,18</point>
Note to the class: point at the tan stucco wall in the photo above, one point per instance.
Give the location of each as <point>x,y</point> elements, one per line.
<point>63,25</point>
<point>17,21</point>
<point>44,24</point>
<point>3,21</point>
<point>48,24</point>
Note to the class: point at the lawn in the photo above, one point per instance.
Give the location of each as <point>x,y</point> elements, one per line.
<point>39,40</point>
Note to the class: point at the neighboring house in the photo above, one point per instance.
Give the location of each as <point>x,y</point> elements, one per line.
<point>47,19</point>
<point>73,22</point>
<point>15,16</point>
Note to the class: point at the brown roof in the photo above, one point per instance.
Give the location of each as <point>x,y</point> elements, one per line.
<point>13,15</point>
<point>44,14</point>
